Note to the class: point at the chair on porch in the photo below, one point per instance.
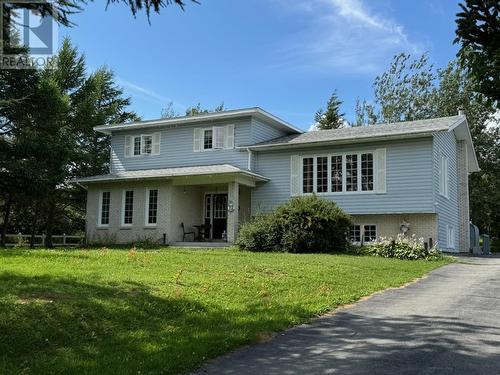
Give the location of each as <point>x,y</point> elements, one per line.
<point>184,233</point>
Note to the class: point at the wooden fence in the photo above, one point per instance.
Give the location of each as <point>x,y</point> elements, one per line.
<point>40,240</point>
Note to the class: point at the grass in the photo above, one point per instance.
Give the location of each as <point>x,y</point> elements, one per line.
<point>106,311</point>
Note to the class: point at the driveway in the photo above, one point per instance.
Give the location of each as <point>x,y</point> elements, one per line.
<point>446,323</point>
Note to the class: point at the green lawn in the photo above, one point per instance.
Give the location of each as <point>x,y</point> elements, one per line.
<point>160,312</point>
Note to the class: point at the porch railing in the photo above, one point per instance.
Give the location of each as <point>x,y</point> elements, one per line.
<point>39,240</point>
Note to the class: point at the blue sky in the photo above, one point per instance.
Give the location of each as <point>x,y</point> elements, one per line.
<point>285,56</point>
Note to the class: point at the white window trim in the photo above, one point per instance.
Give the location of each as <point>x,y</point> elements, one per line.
<point>146,208</point>
<point>444,176</point>
<point>99,210</point>
<point>344,175</point>
<point>123,224</point>
<point>223,127</point>
<point>362,233</point>
<point>142,136</point>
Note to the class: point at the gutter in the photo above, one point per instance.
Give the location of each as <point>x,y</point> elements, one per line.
<point>280,146</point>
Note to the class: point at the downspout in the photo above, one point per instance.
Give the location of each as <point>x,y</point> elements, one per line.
<point>250,156</point>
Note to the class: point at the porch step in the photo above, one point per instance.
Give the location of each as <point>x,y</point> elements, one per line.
<point>200,244</point>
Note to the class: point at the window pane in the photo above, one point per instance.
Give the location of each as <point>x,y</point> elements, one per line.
<point>137,145</point>
<point>207,139</point>
<point>307,175</point>
<point>105,203</point>
<point>153,207</point>
<point>147,144</point>
<point>322,174</point>
<point>355,233</point>
<point>336,173</point>
<point>351,172</point>
<point>128,207</point>
<point>208,207</point>
<point>367,172</point>
<point>369,233</point>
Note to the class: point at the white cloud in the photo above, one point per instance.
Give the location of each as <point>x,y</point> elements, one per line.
<point>148,94</point>
<point>344,35</point>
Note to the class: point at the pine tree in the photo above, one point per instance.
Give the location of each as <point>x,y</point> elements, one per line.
<point>331,118</point>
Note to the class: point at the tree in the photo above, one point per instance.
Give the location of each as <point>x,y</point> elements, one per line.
<point>169,111</point>
<point>404,92</point>
<point>197,110</point>
<point>425,92</point>
<point>61,10</point>
<point>478,31</point>
<point>331,118</point>
<point>365,113</point>
<point>46,122</point>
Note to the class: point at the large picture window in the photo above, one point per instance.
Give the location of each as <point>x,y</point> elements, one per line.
<point>338,173</point>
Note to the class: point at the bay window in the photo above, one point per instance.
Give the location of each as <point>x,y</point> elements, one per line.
<point>322,174</point>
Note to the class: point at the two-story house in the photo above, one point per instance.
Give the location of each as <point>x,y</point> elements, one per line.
<point>214,171</point>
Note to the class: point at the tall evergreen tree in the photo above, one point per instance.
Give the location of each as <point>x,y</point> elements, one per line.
<point>47,120</point>
<point>478,31</point>
<point>331,117</point>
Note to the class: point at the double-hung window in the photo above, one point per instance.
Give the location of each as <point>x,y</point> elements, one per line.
<point>128,207</point>
<point>104,206</point>
<point>151,206</point>
<point>207,139</point>
<point>351,172</point>
<point>147,144</point>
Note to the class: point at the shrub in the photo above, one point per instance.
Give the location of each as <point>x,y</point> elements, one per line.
<point>402,247</point>
<point>146,242</point>
<point>302,225</point>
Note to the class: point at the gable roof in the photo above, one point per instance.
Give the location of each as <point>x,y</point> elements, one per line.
<point>377,132</point>
<point>202,117</point>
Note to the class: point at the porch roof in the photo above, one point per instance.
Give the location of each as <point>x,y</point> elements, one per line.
<point>173,173</point>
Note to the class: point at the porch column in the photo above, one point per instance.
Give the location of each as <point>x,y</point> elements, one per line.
<point>233,202</point>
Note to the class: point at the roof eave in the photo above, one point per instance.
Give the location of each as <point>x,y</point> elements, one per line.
<point>214,116</point>
<point>86,181</point>
<point>281,146</point>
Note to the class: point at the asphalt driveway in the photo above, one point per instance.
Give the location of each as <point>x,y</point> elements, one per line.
<point>446,323</point>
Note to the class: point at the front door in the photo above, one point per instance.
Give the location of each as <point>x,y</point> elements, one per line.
<point>216,216</point>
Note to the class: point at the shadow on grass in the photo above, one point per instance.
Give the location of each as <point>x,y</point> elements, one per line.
<point>62,325</point>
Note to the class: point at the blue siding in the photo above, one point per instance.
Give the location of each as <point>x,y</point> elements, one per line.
<point>409,169</point>
<point>176,149</point>
<point>446,208</point>
<point>262,132</point>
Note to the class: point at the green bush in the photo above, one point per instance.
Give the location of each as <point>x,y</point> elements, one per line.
<point>302,225</point>
<point>402,247</point>
<point>147,243</point>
